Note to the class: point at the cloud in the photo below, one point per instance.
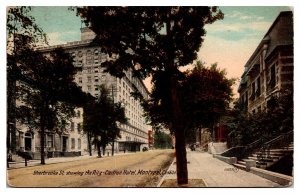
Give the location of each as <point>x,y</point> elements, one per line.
<point>243,16</point>
<point>238,26</point>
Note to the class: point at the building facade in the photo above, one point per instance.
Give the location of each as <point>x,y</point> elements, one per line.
<point>69,142</point>
<point>88,58</point>
<point>270,68</point>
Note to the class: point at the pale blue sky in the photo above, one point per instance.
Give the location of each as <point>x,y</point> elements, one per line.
<point>62,25</point>
<point>229,42</point>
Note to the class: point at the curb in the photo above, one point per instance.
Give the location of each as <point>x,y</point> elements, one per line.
<point>281,179</point>
<point>164,177</point>
<point>34,163</point>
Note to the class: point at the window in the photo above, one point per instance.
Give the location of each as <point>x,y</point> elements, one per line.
<point>257,91</point>
<point>72,126</point>
<point>72,143</point>
<point>88,52</point>
<point>79,143</point>
<point>89,79</point>
<point>96,70</point>
<point>96,52</point>
<point>80,80</point>
<point>78,114</point>
<point>50,141</point>
<point>272,81</point>
<point>89,70</point>
<point>96,78</point>
<point>89,88</point>
<point>96,88</point>
<point>78,127</point>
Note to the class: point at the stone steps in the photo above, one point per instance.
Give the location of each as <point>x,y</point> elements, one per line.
<point>269,158</point>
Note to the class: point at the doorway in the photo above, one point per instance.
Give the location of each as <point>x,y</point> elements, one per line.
<point>28,141</point>
<point>64,144</point>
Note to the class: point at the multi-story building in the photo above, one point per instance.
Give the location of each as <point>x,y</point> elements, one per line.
<point>88,57</point>
<point>70,142</point>
<point>270,68</point>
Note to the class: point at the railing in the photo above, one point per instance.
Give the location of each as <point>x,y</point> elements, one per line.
<point>262,145</point>
<point>254,146</point>
<point>283,141</point>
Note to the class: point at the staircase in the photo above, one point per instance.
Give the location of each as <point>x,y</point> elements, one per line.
<point>16,158</point>
<point>278,150</point>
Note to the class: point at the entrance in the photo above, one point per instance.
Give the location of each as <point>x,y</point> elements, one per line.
<point>64,144</point>
<point>28,142</point>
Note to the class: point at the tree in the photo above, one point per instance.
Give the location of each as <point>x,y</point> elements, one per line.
<point>208,94</point>
<point>101,119</point>
<point>162,140</point>
<point>157,40</point>
<point>48,93</point>
<point>276,119</point>
<point>22,35</point>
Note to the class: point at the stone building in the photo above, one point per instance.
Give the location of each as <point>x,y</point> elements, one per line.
<point>270,68</point>
<point>88,57</point>
<point>70,142</point>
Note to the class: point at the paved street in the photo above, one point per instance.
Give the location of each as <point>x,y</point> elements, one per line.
<point>216,173</point>
<point>142,169</point>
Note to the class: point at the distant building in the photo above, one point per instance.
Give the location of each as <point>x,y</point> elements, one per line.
<point>88,58</point>
<point>271,66</point>
<point>150,139</point>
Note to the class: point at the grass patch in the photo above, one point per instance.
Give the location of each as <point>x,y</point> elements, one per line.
<point>192,183</point>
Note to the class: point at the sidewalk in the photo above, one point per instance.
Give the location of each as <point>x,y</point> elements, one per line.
<point>14,165</point>
<point>216,173</point>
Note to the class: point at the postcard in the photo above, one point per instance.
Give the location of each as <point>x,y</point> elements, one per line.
<point>156,96</point>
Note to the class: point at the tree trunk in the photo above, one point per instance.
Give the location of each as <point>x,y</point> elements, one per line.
<point>103,150</point>
<point>113,148</point>
<point>178,128</point>
<point>89,143</point>
<point>181,161</point>
<point>42,138</point>
<point>99,149</point>
<point>11,116</point>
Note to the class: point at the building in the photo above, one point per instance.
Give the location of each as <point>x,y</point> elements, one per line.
<point>270,68</point>
<point>88,58</point>
<point>150,139</point>
<point>70,142</point>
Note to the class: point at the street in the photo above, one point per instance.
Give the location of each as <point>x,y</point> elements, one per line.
<point>143,169</point>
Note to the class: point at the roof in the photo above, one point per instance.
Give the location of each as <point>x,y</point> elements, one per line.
<point>283,37</point>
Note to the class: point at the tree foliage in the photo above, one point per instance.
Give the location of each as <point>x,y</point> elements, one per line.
<point>156,41</point>
<point>48,94</point>
<point>102,118</point>
<point>162,140</point>
<point>276,119</point>
<point>42,85</point>
<point>23,35</point>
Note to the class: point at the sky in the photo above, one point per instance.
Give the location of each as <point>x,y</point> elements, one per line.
<point>228,42</point>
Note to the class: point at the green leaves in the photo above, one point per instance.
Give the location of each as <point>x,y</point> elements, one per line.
<point>101,117</point>
<point>139,29</point>
<point>276,119</point>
